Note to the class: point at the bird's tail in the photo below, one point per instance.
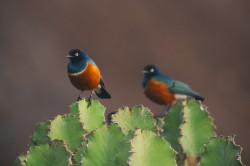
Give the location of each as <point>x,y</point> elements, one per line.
<point>197,97</point>
<point>102,93</point>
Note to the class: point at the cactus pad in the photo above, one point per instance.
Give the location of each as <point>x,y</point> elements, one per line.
<point>135,117</point>
<point>149,149</point>
<point>49,154</point>
<point>221,151</point>
<point>197,129</point>
<point>91,116</point>
<point>69,129</point>
<point>104,146</point>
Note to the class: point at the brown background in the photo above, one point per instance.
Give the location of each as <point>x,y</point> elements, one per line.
<point>203,43</point>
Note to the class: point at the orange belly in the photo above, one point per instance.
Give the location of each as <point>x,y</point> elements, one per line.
<point>159,93</point>
<point>88,79</point>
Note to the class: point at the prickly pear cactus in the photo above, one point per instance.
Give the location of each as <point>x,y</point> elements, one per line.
<point>134,137</point>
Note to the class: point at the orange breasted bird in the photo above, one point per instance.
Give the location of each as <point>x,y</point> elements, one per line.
<point>85,75</point>
<point>164,90</point>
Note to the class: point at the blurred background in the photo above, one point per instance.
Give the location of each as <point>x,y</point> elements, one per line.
<point>202,43</point>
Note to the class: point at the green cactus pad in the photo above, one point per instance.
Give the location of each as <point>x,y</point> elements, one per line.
<point>221,151</point>
<point>21,160</point>
<point>150,149</point>
<point>104,147</point>
<point>69,129</point>
<point>136,117</point>
<point>91,116</point>
<point>197,129</point>
<point>79,155</point>
<point>41,134</point>
<point>49,154</point>
<point>171,127</point>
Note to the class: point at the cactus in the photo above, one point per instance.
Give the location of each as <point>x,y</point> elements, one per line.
<point>221,151</point>
<point>69,129</point>
<point>90,117</point>
<point>171,128</point>
<point>41,134</point>
<point>54,153</point>
<point>136,117</point>
<point>150,149</point>
<point>104,147</point>
<point>196,130</point>
<point>185,136</point>
<point>21,160</point>
<point>78,156</point>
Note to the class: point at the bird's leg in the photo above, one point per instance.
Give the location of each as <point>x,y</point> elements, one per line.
<point>164,111</point>
<point>90,98</point>
<point>79,97</point>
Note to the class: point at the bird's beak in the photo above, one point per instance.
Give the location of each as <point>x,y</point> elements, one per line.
<point>144,71</point>
<point>69,56</point>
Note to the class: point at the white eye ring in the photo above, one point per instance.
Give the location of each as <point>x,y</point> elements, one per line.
<point>76,54</point>
<point>152,70</point>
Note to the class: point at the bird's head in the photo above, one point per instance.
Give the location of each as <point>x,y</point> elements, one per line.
<point>76,55</point>
<point>151,70</point>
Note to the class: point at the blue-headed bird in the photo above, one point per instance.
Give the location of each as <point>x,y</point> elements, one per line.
<point>164,90</point>
<point>85,75</point>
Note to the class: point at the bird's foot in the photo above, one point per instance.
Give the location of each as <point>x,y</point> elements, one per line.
<point>160,115</point>
<point>79,98</point>
<point>89,100</point>
<point>164,112</point>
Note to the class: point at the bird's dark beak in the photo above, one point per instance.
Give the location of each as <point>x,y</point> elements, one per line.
<point>69,56</point>
<point>144,71</point>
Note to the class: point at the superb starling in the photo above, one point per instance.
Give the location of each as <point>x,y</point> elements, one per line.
<point>85,75</point>
<point>163,90</point>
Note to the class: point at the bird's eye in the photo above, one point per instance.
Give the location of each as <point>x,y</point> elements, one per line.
<point>76,54</point>
<point>152,70</point>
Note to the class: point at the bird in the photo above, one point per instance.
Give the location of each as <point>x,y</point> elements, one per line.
<point>163,90</point>
<point>84,75</point>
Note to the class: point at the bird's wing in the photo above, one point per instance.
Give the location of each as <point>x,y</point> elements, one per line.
<point>101,92</point>
<point>179,87</point>
<point>176,87</point>
<point>169,82</point>
<point>101,82</point>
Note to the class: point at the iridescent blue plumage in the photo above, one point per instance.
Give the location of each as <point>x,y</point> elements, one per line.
<point>79,63</point>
